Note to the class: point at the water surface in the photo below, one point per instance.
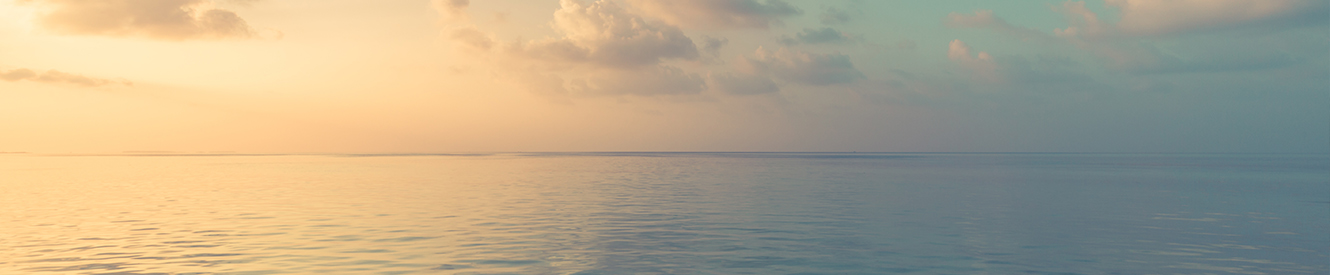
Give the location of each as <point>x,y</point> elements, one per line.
<point>666,213</point>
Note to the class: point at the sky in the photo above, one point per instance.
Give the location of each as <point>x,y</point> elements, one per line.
<point>422,76</point>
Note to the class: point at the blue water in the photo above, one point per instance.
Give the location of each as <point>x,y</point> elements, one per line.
<point>666,213</point>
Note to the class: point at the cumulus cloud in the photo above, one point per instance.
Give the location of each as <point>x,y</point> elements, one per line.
<point>54,76</point>
<point>960,52</point>
<point>602,34</point>
<point>801,67</point>
<point>817,36</point>
<point>605,34</point>
<point>981,63</point>
<point>602,49</point>
<point>718,13</point>
<point>743,84</point>
<point>159,19</point>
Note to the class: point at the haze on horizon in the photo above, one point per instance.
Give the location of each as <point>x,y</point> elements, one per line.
<point>664,75</point>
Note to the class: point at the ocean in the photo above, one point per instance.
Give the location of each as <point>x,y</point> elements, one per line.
<point>666,213</point>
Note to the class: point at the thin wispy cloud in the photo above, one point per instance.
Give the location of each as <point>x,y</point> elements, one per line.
<point>818,36</point>
<point>1122,41</point>
<point>744,84</point>
<point>719,13</point>
<point>453,11</point>
<point>985,19</point>
<point>801,67</point>
<point>161,19</point>
<point>58,77</point>
<point>1160,18</point>
<point>835,16</point>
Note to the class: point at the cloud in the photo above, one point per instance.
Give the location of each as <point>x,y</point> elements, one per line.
<point>1129,43</point>
<point>603,49</point>
<point>906,44</point>
<point>17,74</point>
<point>1046,73</point>
<point>1148,59</point>
<point>743,84</point>
<point>718,13</point>
<point>986,20</point>
<point>159,19</point>
<point>1158,18</point>
<point>960,52</point>
<point>54,76</point>
<point>981,63</point>
<point>1043,70</point>
<point>834,16</point>
<point>801,67</point>
<point>712,45</point>
<point>646,81</point>
<point>243,3</point>
<point>472,37</point>
<point>604,34</point>
<point>817,36</point>
<point>1126,44</point>
<point>452,10</point>
<point>1152,19</point>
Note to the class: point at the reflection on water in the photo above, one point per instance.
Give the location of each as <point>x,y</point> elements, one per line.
<point>652,213</point>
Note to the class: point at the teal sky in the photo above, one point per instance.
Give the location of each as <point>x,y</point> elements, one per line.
<point>1217,76</point>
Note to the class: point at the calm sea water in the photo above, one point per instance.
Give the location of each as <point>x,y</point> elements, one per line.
<point>666,213</point>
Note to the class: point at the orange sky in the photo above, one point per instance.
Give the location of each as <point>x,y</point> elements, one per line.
<point>647,75</point>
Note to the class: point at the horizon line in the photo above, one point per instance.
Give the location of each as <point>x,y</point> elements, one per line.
<point>490,153</point>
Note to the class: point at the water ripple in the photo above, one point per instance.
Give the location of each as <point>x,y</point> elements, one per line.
<point>663,213</point>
